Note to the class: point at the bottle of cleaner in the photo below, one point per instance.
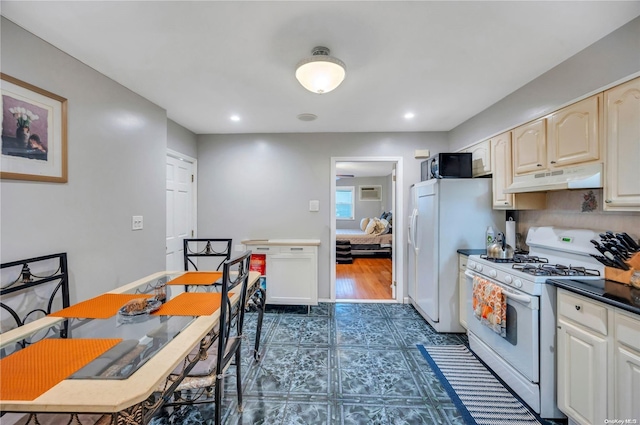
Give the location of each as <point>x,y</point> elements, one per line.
<point>490,236</point>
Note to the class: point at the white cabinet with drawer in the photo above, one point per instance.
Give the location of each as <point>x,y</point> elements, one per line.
<point>598,360</point>
<point>582,359</point>
<point>291,270</point>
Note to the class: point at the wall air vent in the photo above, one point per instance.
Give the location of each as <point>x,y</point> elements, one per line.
<point>370,193</point>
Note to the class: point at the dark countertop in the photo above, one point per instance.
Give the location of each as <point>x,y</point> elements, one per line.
<point>468,251</point>
<point>615,294</point>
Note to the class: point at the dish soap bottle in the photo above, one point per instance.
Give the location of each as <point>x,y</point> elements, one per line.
<point>490,236</point>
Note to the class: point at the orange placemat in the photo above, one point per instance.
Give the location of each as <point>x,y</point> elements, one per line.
<point>191,304</point>
<point>28,373</point>
<point>102,307</point>
<point>196,278</point>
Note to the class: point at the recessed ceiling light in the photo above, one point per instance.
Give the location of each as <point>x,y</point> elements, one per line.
<point>307,117</point>
<point>409,115</point>
<point>235,118</point>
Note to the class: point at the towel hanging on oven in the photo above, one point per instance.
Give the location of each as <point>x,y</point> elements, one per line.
<point>490,305</point>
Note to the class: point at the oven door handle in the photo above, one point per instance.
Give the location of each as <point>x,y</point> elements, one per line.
<point>522,298</point>
<point>516,297</point>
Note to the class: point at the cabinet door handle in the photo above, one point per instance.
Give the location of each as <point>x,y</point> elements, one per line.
<point>296,249</point>
<point>553,162</point>
<point>538,165</point>
<point>578,307</point>
<point>262,249</point>
<point>608,201</point>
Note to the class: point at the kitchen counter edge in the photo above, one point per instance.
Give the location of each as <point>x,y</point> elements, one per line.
<point>297,242</point>
<point>469,251</point>
<point>598,293</point>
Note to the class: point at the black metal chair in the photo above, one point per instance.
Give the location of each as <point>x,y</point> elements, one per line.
<point>221,346</point>
<point>48,273</point>
<point>217,250</point>
<point>213,252</point>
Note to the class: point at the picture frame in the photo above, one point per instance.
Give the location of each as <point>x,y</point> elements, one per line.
<point>33,132</point>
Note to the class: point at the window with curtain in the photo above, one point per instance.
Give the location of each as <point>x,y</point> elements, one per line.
<point>345,203</point>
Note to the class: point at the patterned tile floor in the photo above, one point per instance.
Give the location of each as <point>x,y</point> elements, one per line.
<point>339,364</point>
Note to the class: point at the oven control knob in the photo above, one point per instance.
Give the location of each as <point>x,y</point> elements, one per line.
<point>518,283</point>
<point>479,267</point>
<point>493,273</point>
<point>508,279</point>
<point>471,265</point>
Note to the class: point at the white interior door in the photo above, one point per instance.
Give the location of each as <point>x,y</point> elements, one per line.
<point>180,208</point>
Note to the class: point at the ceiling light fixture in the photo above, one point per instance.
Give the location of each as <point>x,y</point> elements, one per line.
<point>320,73</point>
<point>409,115</point>
<point>307,117</point>
<point>235,118</point>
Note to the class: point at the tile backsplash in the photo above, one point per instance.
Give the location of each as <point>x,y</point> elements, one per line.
<point>579,209</point>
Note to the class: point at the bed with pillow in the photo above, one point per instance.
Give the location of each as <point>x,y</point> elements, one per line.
<point>373,239</point>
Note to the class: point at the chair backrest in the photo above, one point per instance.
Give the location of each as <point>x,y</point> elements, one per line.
<point>235,277</point>
<point>26,285</point>
<point>218,250</point>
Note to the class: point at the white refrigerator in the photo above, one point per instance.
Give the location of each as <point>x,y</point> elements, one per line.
<point>446,215</point>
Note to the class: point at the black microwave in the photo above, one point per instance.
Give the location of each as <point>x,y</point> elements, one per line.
<point>453,165</point>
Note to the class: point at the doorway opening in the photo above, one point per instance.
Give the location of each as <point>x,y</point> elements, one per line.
<point>366,229</point>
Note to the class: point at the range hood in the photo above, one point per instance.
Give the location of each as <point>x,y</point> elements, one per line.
<point>579,177</point>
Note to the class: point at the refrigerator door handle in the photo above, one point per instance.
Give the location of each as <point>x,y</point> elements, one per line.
<point>409,233</point>
<point>414,227</point>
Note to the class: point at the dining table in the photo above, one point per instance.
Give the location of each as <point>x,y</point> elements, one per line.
<point>114,366</point>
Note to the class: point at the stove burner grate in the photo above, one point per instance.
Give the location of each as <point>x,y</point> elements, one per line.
<point>517,258</point>
<point>555,270</point>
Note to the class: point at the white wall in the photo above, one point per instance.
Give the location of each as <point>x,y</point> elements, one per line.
<point>117,144</point>
<point>259,185</point>
<point>610,60</point>
<point>181,139</point>
<point>607,61</point>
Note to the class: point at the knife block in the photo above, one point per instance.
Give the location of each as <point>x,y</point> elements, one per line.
<point>623,276</point>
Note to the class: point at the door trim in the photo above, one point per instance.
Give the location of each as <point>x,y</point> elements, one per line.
<point>398,223</point>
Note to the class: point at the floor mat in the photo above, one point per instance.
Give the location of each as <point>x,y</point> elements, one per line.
<point>478,395</point>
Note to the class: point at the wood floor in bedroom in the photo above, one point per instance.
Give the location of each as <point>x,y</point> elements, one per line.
<point>364,279</point>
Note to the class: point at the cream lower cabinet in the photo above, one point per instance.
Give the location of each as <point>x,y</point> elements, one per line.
<point>582,379</point>
<point>622,153</point>
<point>462,289</point>
<point>627,364</point>
<point>291,270</point>
<point>598,360</point>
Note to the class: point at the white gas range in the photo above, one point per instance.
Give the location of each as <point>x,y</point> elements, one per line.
<point>525,358</point>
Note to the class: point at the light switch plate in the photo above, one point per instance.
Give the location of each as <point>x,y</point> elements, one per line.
<point>314,206</point>
<point>136,222</point>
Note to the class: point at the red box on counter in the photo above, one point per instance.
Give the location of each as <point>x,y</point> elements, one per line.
<point>258,263</point>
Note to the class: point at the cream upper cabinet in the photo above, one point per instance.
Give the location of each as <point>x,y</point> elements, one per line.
<point>573,133</point>
<point>622,152</point>
<point>502,172</point>
<point>530,148</point>
<point>481,158</point>
<point>503,176</point>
